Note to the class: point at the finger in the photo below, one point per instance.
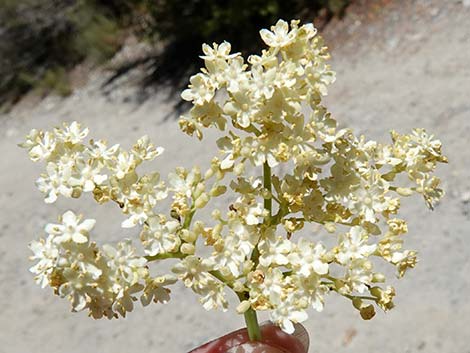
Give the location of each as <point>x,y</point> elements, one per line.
<point>272,335</point>
<point>298,342</point>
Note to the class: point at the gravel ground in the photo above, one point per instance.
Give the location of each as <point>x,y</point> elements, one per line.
<point>400,64</point>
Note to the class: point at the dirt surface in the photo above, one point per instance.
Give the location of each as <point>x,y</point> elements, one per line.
<point>400,64</point>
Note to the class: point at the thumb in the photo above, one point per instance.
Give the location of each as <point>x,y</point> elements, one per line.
<point>255,347</point>
<point>274,341</point>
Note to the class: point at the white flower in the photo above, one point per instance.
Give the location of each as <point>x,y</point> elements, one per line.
<point>234,76</point>
<point>270,287</point>
<point>125,267</point>
<point>124,164</point>
<point>274,249</point>
<point>145,150</point>
<point>353,245</point>
<point>368,201</point>
<point>218,52</point>
<point>159,236</point>
<point>250,210</point>
<point>99,150</point>
<point>288,312</point>
<point>358,275</point>
<point>183,182</point>
<point>71,133</point>
<point>231,256</point>
<point>307,259</point>
<point>279,36</point>
<point>42,146</point>
<point>47,254</point>
<point>71,229</point>
<point>213,296</point>
<point>263,81</point>
<point>200,90</point>
<point>55,182</point>
<point>89,176</point>
<point>194,272</point>
<point>241,108</point>
<point>156,291</point>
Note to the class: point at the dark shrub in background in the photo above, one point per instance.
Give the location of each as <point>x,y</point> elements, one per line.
<point>185,25</point>
<point>40,40</point>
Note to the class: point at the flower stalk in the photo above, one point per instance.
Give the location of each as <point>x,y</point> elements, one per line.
<point>252,326</point>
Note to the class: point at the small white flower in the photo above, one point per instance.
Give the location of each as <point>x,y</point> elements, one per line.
<point>47,254</point>
<point>71,229</point>
<point>353,245</point>
<point>200,90</point>
<point>71,133</point>
<point>156,291</point>
<point>159,236</point>
<point>288,312</point>
<point>274,249</point>
<point>279,36</point>
<point>307,259</point>
<point>218,52</point>
<point>56,181</point>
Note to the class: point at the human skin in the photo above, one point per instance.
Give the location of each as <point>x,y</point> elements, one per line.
<point>274,340</point>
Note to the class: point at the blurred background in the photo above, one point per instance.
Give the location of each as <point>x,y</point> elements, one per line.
<point>118,66</point>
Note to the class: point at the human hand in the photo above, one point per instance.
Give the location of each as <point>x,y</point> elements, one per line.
<point>274,341</point>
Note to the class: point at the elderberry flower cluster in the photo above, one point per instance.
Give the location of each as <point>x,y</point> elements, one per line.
<point>269,111</point>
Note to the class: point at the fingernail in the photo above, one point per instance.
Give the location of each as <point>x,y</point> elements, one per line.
<point>302,335</point>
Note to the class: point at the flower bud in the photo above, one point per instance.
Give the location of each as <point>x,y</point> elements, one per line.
<point>243,306</point>
<point>378,278</point>
<point>201,201</point>
<point>247,266</point>
<point>404,191</point>
<point>200,187</point>
<point>218,190</point>
<point>217,229</point>
<point>197,174</point>
<point>357,303</point>
<point>188,249</point>
<point>209,174</point>
<point>198,227</point>
<point>188,236</point>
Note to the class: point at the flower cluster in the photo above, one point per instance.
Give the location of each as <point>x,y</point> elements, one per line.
<point>104,280</point>
<point>269,110</point>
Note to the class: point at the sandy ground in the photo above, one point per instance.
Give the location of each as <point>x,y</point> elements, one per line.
<point>405,65</point>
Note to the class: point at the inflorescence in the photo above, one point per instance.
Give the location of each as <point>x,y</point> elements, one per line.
<point>269,111</point>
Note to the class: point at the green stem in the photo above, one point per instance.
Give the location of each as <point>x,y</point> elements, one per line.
<point>251,320</point>
<point>268,202</point>
<point>188,219</point>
